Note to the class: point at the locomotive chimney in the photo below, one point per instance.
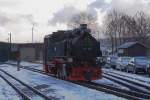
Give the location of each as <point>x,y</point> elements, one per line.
<point>83,26</point>
<point>83,29</point>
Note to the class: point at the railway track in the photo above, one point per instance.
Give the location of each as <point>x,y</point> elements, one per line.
<point>25,91</point>
<point>129,94</point>
<point>127,77</point>
<point>128,83</point>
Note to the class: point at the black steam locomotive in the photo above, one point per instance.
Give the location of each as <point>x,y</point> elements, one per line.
<point>72,54</point>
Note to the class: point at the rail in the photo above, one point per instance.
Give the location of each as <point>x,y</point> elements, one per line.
<point>24,84</point>
<point>113,90</point>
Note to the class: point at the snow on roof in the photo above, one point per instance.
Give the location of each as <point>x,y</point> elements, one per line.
<point>127,45</point>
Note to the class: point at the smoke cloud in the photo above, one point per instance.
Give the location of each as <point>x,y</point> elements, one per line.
<point>70,14</point>
<point>99,4</point>
<point>88,17</point>
<point>73,17</point>
<point>63,15</point>
<point>127,6</point>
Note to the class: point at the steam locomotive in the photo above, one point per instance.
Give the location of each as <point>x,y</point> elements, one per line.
<point>71,54</point>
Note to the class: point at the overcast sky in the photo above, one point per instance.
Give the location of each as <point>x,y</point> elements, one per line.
<point>18,16</point>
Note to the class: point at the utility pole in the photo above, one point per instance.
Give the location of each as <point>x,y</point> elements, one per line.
<point>32,31</point>
<point>8,49</point>
<point>9,39</point>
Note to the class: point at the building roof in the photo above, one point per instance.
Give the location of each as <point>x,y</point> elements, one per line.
<point>127,45</point>
<point>30,45</point>
<point>3,42</point>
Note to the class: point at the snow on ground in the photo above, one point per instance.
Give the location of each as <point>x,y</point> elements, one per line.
<point>7,92</point>
<point>34,65</point>
<point>59,89</point>
<point>103,80</point>
<point>111,83</point>
<point>30,64</point>
<point>133,76</point>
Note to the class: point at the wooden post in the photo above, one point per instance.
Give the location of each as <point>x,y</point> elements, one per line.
<point>18,61</point>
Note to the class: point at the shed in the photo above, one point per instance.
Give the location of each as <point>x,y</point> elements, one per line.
<point>132,49</point>
<point>31,51</point>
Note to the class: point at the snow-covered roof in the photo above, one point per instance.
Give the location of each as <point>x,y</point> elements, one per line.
<point>127,45</point>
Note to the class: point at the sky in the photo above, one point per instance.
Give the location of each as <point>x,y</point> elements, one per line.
<point>47,16</point>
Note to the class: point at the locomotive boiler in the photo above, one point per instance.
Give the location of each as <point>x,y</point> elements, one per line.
<point>71,54</point>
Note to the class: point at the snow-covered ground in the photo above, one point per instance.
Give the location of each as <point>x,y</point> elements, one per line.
<point>57,88</point>
<point>30,64</point>
<point>111,83</point>
<point>34,65</point>
<point>7,92</point>
<point>103,80</point>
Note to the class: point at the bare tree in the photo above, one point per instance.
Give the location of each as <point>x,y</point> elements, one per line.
<point>113,25</point>
<point>142,26</point>
<point>121,27</point>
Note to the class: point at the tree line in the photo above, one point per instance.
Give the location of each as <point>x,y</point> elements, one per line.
<point>121,27</point>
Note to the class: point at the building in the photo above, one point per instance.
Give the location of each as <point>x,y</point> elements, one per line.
<point>132,49</point>
<point>28,51</point>
<point>4,51</point>
<point>31,51</point>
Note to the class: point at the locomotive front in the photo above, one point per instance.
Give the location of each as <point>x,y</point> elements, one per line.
<point>84,50</point>
<point>72,55</point>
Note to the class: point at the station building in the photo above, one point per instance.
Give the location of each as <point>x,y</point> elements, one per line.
<point>132,49</point>
<point>31,51</point>
<point>4,51</point>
